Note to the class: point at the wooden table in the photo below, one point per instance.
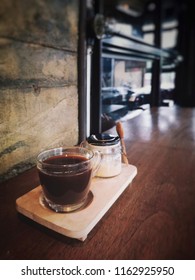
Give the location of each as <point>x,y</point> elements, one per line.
<point>152,219</point>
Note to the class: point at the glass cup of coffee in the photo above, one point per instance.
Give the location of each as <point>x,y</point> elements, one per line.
<point>65,175</point>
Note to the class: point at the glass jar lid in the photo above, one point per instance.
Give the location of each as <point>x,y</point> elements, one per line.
<point>103,139</point>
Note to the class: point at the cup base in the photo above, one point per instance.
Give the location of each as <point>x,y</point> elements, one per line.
<point>66,208</point>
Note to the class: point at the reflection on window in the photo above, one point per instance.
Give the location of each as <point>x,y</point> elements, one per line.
<point>126,86</point>
<point>127,81</point>
<point>125,73</point>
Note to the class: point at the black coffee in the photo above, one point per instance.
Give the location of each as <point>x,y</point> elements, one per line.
<point>65,188</point>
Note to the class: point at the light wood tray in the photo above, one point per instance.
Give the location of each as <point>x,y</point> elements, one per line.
<point>77,224</point>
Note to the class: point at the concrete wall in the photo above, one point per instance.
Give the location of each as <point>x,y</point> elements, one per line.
<point>38,80</point>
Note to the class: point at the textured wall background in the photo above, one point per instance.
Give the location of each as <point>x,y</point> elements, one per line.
<point>38,80</point>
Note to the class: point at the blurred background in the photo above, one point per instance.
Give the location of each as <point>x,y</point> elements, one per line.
<point>147,54</point>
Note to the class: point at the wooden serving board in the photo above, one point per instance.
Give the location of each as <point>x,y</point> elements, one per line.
<point>77,224</point>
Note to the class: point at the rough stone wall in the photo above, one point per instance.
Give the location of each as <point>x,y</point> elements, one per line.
<point>38,80</point>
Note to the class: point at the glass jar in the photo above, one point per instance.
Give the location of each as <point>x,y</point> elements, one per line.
<point>110,148</point>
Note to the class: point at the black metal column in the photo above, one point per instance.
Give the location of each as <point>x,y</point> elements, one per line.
<point>156,68</point>
<point>82,72</point>
<point>96,70</point>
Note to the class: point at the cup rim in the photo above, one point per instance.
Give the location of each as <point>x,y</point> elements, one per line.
<point>63,149</point>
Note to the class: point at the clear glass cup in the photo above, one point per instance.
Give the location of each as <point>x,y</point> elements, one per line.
<point>65,175</point>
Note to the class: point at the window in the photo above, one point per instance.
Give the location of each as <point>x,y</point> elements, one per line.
<point>126,85</point>
<point>135,57</point>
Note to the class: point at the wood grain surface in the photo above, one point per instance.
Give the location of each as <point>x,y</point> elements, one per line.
<point>154,219</point>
